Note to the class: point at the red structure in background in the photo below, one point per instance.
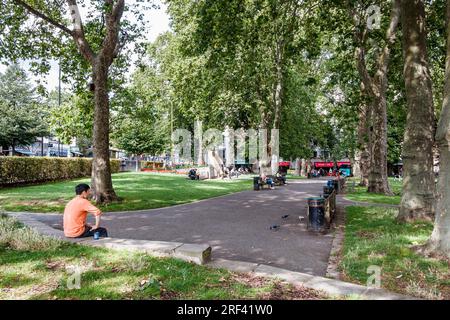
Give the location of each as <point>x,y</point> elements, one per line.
<point>322,164</point>
<point>283,166</point>
<point>327,166</point>
<point>319,165</point>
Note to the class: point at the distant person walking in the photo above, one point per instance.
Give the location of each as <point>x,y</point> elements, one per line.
<point>75,215</point>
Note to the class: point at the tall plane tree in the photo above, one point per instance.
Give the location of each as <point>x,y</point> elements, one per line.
<point>375,88</point>
<point>440,238</point>
<point>42,29</point>
<point>418,183</point>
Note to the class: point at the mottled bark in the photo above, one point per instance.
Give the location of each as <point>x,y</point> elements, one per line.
<point>362,159</point>
<point>440,238</point>
<point>279,82</point>
<point>417,153</point>
<point>378,176</point>
<point>101,182</point>
<point>375,88</point>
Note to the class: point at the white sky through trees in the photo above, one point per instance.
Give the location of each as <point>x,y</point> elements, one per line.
<point>157,22</point>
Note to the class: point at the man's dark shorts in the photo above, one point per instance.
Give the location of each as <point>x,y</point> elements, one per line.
<point>88,232</point>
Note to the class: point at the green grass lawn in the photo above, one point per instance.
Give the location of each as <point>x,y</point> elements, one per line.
<point>373,237</point>
<point>37,267</point>
<point>360,194</point>
<point>138,190</point>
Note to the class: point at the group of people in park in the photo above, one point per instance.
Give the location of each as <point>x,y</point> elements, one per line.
<point>270,180</point>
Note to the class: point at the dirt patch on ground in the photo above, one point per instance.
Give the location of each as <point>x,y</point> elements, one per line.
<point>53,202</point>
<point>280,290</point>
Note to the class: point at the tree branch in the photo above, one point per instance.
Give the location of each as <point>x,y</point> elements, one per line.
<point>111,44</point>
<point>383,60</point>
<point>360,53</point>
<point>443,131</point>
<point>43,16</point>
<point>78,33</point>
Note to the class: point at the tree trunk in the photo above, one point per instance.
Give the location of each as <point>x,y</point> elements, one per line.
<point>101,181</point>
<point>362,164</point>
<point>378,177</point>
<point>417,154</point>
<point>278,87</point>
<point>297,167</point>
<point>356,164</point>
<point>440,238</point>
<point>303,170</point>
<point>375,88</point>
<point>13,148</point>
<point>100,62</point>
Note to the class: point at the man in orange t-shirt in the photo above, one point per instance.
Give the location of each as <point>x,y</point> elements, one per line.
<point>76,212</point>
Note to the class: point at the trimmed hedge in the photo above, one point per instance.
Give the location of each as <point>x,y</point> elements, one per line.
<point>24,170</point>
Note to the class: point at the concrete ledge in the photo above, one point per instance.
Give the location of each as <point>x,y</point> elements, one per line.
<point>335,287</point>
<point>197,253</point>
<point>235,266</point>
<point>154,248</point>
<point>381,294</point>
<point>329,286</point>
<point>39,227</point>
<point>296,278</point>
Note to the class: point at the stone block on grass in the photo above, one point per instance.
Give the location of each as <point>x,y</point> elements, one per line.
<point>196,253</point>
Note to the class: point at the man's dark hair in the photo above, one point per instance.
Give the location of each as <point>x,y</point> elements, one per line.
<point>79,189</point>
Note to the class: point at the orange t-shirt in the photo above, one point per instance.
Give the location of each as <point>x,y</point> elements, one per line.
<point>75,215</point>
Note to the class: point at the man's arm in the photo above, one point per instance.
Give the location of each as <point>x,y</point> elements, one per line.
<point>97,222</point>
<point>96,212</point>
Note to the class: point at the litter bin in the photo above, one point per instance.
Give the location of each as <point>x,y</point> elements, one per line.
<point>256,183</point>
<point>316,214</point>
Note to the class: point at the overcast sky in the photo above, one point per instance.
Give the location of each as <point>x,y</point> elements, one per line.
<point>157,23</point>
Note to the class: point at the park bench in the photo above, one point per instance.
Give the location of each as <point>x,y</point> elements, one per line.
<point>330,208</point>
<point>278,181</point>
<point>259,183</point>
<point>263,183</point>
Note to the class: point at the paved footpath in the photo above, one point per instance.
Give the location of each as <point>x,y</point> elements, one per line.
<point>237,226</point>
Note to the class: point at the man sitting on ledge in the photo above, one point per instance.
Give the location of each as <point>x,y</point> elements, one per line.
<point>76,212</point>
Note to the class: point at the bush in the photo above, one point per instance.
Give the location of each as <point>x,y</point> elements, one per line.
<point>22,170</point>
<point>13,235</point>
